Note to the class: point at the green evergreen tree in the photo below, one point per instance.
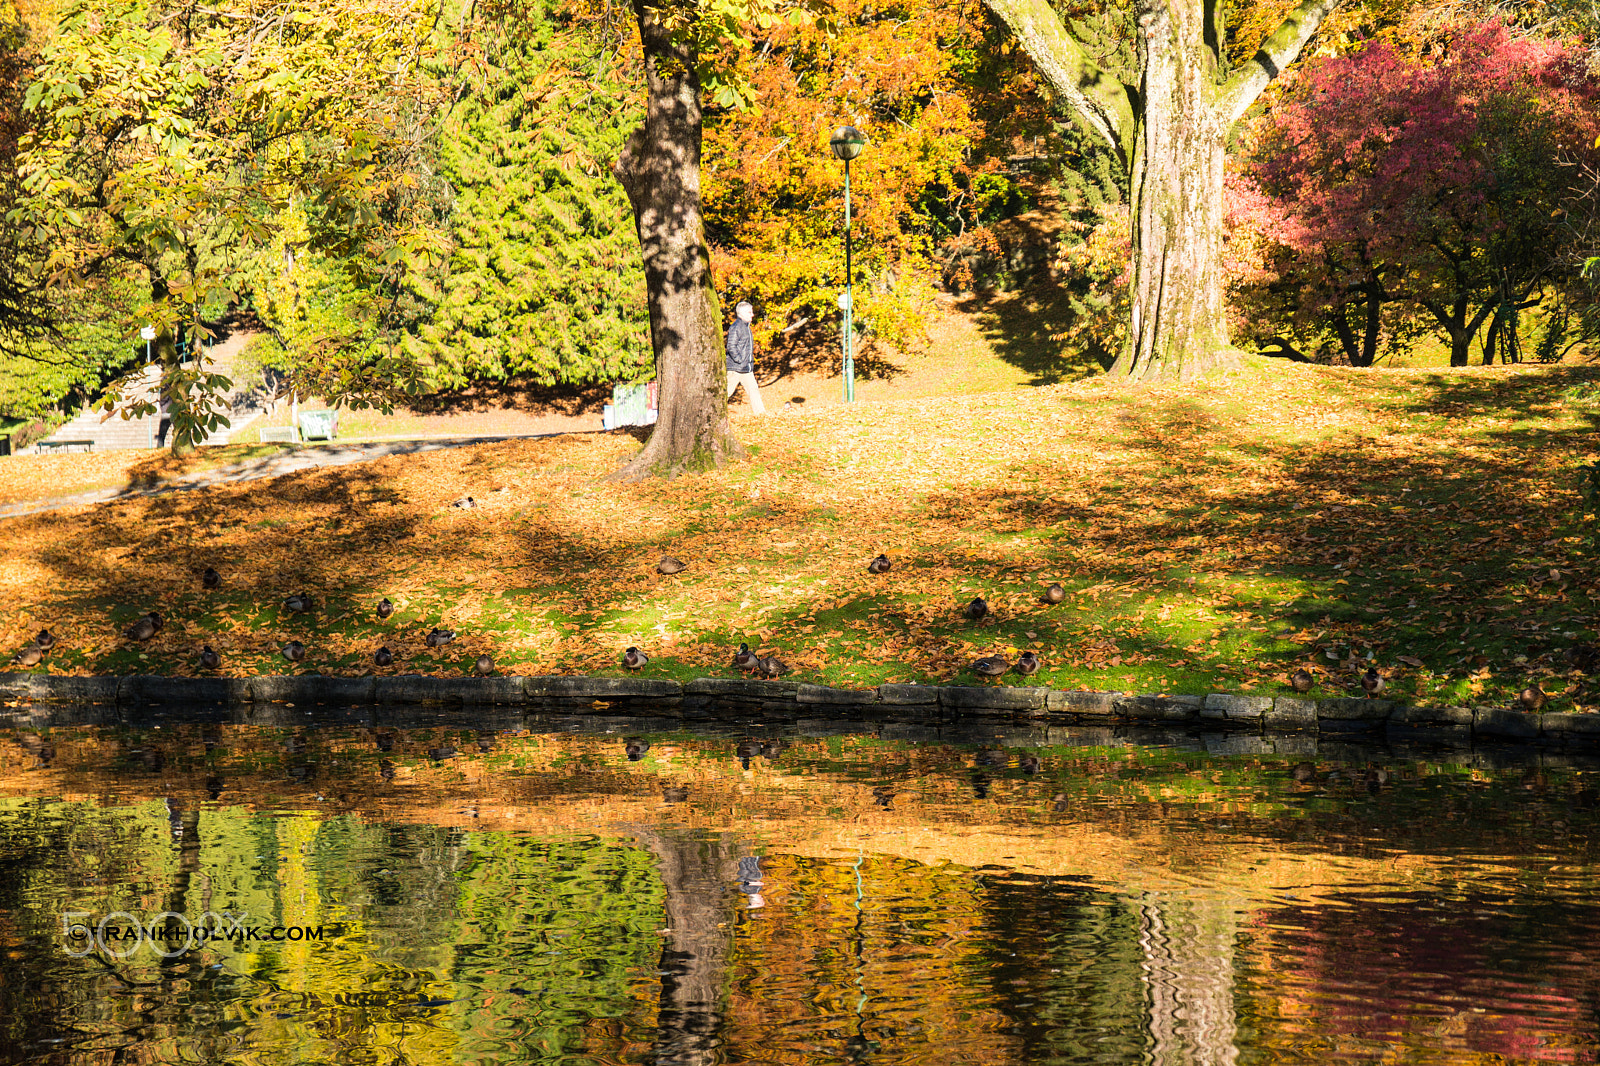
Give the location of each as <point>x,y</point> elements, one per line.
<point>545,280</point>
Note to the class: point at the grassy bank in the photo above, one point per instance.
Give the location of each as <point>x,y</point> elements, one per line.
<point>1210,538</point>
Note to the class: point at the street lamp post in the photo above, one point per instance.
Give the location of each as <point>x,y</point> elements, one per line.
<point>847,142</point>
<point>149,334</point>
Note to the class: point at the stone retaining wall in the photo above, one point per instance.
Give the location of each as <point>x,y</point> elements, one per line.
<point>703,697</point>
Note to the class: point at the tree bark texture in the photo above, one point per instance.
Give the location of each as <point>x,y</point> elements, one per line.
<point>1170,130</point>
<point>1179,326</point>
<point>659,169</point>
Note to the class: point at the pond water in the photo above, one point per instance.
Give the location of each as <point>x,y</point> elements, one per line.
<point>401,886</point>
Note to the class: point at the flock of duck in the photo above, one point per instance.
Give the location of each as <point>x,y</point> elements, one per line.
<point>1584,658</point>
<point>146,626</point>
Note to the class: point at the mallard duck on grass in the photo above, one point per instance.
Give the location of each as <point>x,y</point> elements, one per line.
<point>385,608</point>
<point>438,638</point>
<point>294,651</point>
<point>32,655</point>
<point>1054,594</point>
<point>880,565</point>
<point>772,666</point>
<point>144,628</point>
<point>744,660</point>
<point>670,565</point>
<point>634,659</point>
<point>383,657</point>
<point>990,666</point>
<point>977,609</point>
<point>1300,680</point>
<point>209,578</point>
<point>484,666</point>
<point>45,640</point>
<point>1027,664</point>
<point>299,603</point>
<point>209,659</point>
<point>1372,682</point>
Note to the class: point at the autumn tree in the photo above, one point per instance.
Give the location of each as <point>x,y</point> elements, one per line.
<point>25,312</point>
<point>913,77</point>
<point>166,139</point>
<point>1440,181</point>
<point>1167,117</point>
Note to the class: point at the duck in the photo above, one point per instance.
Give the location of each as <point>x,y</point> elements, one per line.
<point>1372,682</point>
<point>209,578</point>
<point>1055,593</point>
<point>772,666</point>
<point>634,659</point>
<point>484,666</point>
<point>883,795</point>
<point>383,657</point>
<point>145,627</point>
<point>385,608</point>
<point>744,660</point>
<point>466,503</point>
<point>438,638</point>
<point>746,750</point>
<point>1305,772</point>
<point>670,565</point>
<point>32,655</point>
<point>1532,698</point>
<point>299,603</point>
<point>209,659</point>
<point>990,666</point>
<point>977,608</point>
<point>294,651</point>
<point>444,751</point>
<point>45,640</point>
<point>1027,664</point>
<point>1300,680</point>
<point>880,565</point>
<point>634,748</point>
<point>1028,764</point>
<point>674,793</point>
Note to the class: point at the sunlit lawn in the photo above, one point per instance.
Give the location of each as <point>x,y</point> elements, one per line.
<point>1210,538</point>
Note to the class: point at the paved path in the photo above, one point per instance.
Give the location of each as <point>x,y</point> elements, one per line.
<point>305,457</point>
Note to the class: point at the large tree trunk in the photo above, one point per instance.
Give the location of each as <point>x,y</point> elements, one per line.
<point>659,169</point>
<point>1170,131</point>
<point>1179,323</point>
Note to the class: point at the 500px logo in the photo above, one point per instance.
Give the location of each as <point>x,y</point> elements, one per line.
<point>169,934</point>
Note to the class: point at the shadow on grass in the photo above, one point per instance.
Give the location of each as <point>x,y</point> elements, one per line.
<point>1346,543</point>
<point>1020,325</point>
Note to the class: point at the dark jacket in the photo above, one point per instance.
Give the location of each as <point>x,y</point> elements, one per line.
<point>741,348</point>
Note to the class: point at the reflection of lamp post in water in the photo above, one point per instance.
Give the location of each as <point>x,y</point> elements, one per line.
<point>847,142</point>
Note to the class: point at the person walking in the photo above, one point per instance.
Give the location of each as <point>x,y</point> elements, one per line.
<point>742,357</point>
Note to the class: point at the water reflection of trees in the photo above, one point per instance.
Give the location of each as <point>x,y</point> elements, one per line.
<point>539,901</point>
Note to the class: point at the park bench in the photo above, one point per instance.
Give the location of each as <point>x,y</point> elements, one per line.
<point>279,435</point>
<point>320,425</point>
<point>63,445</point>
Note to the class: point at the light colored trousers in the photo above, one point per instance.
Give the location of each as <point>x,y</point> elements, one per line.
<point>752,391</point>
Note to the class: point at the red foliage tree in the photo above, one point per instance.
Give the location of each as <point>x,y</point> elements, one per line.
<point>1442,180</point>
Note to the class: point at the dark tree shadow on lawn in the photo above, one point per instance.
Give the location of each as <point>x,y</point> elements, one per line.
<point>1020,325</point>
